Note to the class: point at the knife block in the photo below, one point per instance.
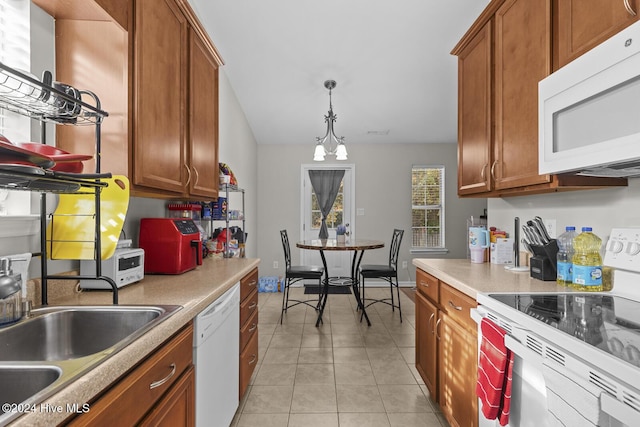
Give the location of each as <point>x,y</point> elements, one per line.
<point>542,265</point>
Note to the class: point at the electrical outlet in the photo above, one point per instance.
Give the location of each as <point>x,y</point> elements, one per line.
<point>550,225</point>
<point>404,264</point>
<point>275,264</point>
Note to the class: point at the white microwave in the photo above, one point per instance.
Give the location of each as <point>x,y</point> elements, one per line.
<point>589,111</point>
<point>126,266</point>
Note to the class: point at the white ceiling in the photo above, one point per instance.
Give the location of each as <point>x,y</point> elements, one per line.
<point>390,59</point>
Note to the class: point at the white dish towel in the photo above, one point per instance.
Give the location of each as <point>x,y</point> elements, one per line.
<point>571,402</point>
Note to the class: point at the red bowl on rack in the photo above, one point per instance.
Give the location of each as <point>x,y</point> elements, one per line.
<point>64,161</point>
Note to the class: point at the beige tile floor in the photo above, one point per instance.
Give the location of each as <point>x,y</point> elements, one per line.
<point>342,373</point>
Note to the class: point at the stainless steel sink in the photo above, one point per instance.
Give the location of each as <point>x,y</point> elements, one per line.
<point>70,333</point>
<point>42,354</point>
<point>22,382</point>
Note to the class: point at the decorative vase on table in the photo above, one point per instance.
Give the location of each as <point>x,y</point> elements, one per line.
<point>341,233</point>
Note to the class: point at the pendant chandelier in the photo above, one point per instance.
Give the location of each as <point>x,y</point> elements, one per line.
<point>330,143</point>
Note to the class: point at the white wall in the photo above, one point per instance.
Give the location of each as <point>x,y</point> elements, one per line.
<point>600,209</point>
<point>238,149</point>
<point>383,190</point>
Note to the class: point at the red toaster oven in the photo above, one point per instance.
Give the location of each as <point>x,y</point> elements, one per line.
<point>171,245</point>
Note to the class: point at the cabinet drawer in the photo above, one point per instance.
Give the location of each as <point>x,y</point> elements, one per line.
<point>457,305</point>
<point>248,329</point>
<point>427,285</point>
<point>248,362</point>
<point>248,306</point>
<point>248,283</point>
<point>132,397</point>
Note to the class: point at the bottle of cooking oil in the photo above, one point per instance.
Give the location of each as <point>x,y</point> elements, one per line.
<point>565,256</point>
<point>587,262</point>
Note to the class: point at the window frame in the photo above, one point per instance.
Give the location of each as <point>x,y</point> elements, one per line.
<point>15,52</point>
<point>441,207</point>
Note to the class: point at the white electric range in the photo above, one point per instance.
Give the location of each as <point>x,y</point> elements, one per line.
<point>577,355</point>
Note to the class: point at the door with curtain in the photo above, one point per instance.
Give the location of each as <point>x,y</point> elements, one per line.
<point>342,212</point>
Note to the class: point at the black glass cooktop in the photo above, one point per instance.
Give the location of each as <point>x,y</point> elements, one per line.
<point>611,323</point>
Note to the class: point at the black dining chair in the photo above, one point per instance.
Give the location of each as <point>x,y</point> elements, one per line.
<point>388,272</point>
<point>296,273</point>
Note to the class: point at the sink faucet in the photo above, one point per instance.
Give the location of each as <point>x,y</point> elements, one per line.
<point>26,308</point>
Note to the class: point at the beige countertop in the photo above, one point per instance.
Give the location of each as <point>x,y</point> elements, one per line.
<point>471,279</point>
<point>193,290</point>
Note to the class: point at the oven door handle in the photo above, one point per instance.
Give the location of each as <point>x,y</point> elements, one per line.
<point>611,406</point>
<point>476,315</point>
<point>522,352</point>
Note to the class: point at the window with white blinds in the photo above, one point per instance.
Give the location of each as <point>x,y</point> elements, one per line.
<point>427,208</point>
<point>15,51</point>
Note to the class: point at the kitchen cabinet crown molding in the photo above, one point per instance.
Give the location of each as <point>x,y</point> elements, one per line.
<point>197,26</point>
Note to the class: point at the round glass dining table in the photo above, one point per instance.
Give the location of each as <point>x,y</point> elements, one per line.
<point>358,246</point>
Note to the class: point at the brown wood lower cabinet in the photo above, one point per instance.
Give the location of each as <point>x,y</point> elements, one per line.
<point>248,328</point>
<point>159,391</point>
<point>176,408</point>
<point>458,366</point>
<point>447,348</point>
<point>427,343</point>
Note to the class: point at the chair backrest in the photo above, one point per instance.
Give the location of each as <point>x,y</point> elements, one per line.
<point>287,248</point>
<point>394,250</point>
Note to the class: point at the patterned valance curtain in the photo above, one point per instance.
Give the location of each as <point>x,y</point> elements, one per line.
<point>326,184</point>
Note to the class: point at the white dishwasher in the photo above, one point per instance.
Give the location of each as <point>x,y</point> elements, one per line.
<point>216,344</point>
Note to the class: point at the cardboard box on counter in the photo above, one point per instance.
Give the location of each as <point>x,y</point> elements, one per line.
<point>502,251</point>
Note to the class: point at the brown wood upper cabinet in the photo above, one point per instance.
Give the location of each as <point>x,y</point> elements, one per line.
<point>583,24</point>
<point>175,96</point>
<point>475,82</point>
<point>501,59</point>
<point>155,71</point>
<point>522,59</point>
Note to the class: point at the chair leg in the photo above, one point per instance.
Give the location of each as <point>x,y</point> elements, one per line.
<point>393,307</point>
<point>398,292</point>
<point>362,298</point>
<point>285,298</point>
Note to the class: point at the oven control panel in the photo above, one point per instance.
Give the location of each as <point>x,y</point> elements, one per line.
<point>623,249</point>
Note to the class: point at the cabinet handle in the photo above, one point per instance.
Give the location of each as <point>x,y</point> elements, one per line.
<point>438,324</point>
<point>188,174</point>
<point>253,327</point>
<point>431,322</point>
<point>252,306</point>
<point>457,307</point>
<point>484,168</point>
<point>197,175</point>
<point>627,6</point>
<point>493,167</point>
<point>253,283</point>
<point>425,284</point>
<point>158,383</point>
<point>253,359</point>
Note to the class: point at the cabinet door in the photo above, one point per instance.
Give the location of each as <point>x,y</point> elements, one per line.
<point>474,114</point>
<point>177,407</point>
<point>427,343</point>
<point>458,373</point>
<point>583,24</point>
<point>160,81</point>
<point>203,120</point>
<point>522,59</point>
